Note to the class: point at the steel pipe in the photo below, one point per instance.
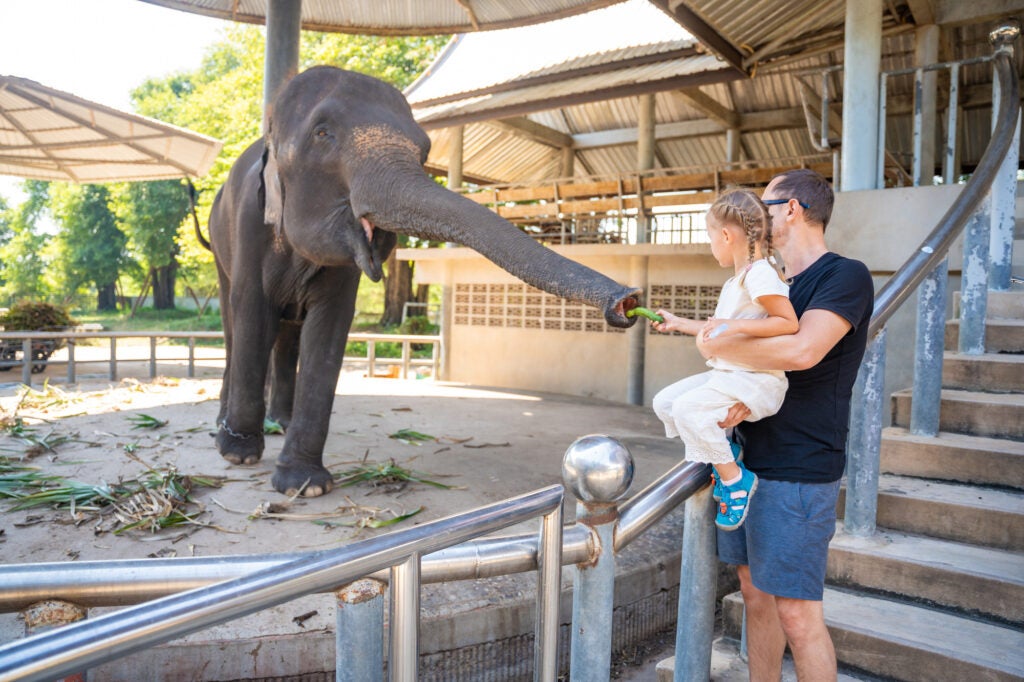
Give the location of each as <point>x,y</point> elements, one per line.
<point>93,642</point>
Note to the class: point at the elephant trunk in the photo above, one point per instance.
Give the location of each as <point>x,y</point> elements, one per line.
<point>424,209</point>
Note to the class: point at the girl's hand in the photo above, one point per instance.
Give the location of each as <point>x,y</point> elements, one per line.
<point>714,328</point>
<point>670,323</point>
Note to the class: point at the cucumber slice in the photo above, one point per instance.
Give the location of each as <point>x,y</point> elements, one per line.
<point>649,314</point>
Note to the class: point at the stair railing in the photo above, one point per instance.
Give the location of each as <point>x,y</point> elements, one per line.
<point>928,265</point>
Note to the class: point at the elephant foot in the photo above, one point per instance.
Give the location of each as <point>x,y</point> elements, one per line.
<point>311,479</point>
<point>239,448</point>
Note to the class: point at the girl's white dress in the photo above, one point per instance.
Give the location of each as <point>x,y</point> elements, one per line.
<point>692,408</point>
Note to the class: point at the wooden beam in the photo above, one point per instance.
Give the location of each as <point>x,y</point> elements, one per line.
<point>923,11</point>
<point>523,126</point>
<point>703,32</point>
<point>958,12</point>
<point>572,99</point>
<point>718,113</point>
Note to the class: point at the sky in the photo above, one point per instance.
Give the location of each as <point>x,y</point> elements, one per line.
<point>98,49</point>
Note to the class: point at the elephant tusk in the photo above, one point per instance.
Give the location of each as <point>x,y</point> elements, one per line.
<point>367,229</point>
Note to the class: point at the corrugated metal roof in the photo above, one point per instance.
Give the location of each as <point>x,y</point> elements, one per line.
<point>398,17</point>
<point>46,134</point>
<point>767,106</point>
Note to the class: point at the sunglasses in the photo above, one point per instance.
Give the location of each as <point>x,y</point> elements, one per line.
<point>776,202</point>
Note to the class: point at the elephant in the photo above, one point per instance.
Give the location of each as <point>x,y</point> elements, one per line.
<point>307,209</point>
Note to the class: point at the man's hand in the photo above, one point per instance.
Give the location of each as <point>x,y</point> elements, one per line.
<point>736,414</point>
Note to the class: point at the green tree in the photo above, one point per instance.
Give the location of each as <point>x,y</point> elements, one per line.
<point>22,262</point>
<point>93,246</point>
<point>6,217</point>
<point>150,214</point>
<point>223,99</point>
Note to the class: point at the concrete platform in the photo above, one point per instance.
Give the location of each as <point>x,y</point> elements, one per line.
<point>490,444</point>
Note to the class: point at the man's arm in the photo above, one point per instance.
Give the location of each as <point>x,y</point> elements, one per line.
<point>819,331</point>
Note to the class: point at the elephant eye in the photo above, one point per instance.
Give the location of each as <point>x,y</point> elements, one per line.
<point>322,133</point>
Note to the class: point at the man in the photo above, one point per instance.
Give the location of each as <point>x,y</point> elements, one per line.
<point>799,453</point>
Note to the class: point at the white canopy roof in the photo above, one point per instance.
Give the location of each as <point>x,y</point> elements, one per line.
<point>46,134</point>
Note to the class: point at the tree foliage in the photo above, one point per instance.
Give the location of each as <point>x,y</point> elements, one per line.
<point>22,260</point>
<point>93,247</point>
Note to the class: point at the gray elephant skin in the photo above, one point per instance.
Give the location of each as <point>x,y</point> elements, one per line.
<point>303,213</point>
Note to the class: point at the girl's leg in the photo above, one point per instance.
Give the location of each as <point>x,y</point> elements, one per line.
<point>664,398</point>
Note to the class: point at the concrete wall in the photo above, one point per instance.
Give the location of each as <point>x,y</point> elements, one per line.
<point>880,227</point>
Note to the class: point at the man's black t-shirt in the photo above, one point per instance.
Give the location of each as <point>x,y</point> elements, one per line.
<point>806,440</point>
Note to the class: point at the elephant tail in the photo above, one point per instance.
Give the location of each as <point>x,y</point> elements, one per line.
<point>192,194</point>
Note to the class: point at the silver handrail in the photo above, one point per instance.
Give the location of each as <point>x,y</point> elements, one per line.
<point>936,245</point>
<point>88,643</point>
<point>132,581</point>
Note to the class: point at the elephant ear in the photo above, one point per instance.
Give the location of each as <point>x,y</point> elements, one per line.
<point>273,193</point>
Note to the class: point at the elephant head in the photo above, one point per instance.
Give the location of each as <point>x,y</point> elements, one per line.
<point>343,173</point>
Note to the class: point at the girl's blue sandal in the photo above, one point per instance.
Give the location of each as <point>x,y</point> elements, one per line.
<point>716,490</point>
<point>735,501</point>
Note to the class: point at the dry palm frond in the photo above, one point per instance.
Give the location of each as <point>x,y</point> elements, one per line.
<point>384,473</point>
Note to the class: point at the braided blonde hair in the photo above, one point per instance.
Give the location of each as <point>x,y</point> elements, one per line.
<point>744,209</point>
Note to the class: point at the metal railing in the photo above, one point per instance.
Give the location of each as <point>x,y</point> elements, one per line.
<point>985,225</point>
<point>176,596</point>
<point>28,343</point>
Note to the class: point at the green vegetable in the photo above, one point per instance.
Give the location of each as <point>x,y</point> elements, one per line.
<point>649,314</point>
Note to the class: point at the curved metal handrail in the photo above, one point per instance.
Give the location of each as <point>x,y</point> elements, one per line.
<point>936,245</point>
<point>131,581</point>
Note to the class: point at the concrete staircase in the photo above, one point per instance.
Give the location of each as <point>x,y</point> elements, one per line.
<point>938,592</point>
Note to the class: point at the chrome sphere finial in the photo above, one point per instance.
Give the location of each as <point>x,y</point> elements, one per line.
<point>597,468</point>
<point>1005,33</point>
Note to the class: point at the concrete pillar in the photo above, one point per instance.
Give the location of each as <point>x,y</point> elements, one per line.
<point>644,155</point>
<point>926,51</point>
<point>862,55</point>
<point>284,27</point>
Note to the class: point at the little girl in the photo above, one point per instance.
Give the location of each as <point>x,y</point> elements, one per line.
<point>754,302</point>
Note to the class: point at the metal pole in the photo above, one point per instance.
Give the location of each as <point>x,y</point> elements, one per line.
<point>974,282</point>
<point>929,351</point>
<point>695,622</point>
<point>152,357</point>
<point>71,361</point>
<point>26,362</point>
<point>284,30</point>
<point>403,644</point>
<point>113,358</point>
<point>359,628</point>
<point>191,357</point>
<point>949,166</point>
<point>864,441</point>
<point>549,592</point>
<point>1004,198</point>
<point>598,470</point>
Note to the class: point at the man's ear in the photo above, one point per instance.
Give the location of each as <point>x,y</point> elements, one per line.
<point>273,192</point>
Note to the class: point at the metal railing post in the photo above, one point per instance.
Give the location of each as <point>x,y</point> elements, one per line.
<point>598,470</point>
<point>359,627</point>
<point>113,358</point>
<point>549,592</point>
<point>1004,188</point>
<point>974,282</point>
<point>26,361</point>
<point>698,578</point>
<point>191,357</point>
<point>865,439</point>
<point>403,645</point>
<point>71,361</point>
<point>152,357</point>
<point>929,350</point>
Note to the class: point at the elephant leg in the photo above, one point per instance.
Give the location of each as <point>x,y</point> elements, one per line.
<point>283,365</point>
<point>225,319</point>
<point>240,431</point>
<point>322,347</point>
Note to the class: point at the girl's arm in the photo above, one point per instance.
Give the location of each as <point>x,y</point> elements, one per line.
<point>781,320</point>
<point>674,323</point>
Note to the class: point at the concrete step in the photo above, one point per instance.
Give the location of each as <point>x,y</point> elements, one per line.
<point>1002,335</point>
<point>909,642</point>
<point>988,517</point>
<point>1000,415</point>
<point>979,581</point>
<point>728,666</point>
<point>989,372</point>
<point>1005,303</point>
<point>953,457</point>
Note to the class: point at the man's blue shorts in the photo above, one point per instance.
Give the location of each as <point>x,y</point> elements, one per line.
<point>785,538</point>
